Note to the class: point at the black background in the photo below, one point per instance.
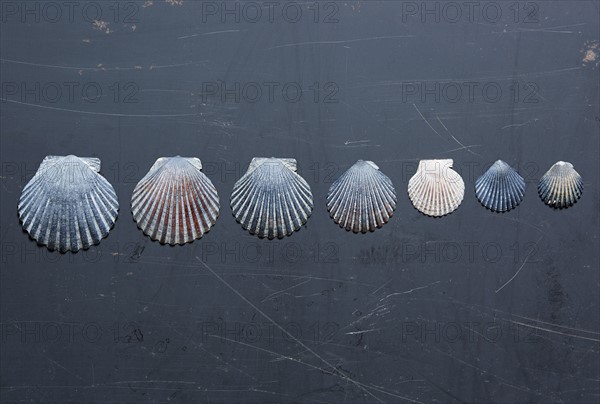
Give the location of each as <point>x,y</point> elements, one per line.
<point>422,310</point>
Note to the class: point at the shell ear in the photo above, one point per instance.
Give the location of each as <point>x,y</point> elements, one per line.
<point>375,166</point>
<point>92,162</point>
<point>256,161</point>
<point>195,162</point>
<point>49,159</point>
<point>159,163</point>
<point>290,163</point>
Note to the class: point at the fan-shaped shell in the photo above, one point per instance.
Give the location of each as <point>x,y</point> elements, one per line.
<point>271,199</point>
<point>362,199</point>
<point>436,189</point>
<point>68,205</point>
<point>561,186</point>
<point>175,203</point>
<point>500,188</point>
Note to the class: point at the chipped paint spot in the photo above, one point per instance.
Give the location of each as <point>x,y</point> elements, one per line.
<point>591,53</point>
<point>102,26</point>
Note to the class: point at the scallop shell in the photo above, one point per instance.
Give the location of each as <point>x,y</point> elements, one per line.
<point>362,199</point>
<point>175,203</point>
<point>436,189</point>
<point>561,186</point>
<point>68,205</point>
<point>271,199</point>
<point>500,188</point>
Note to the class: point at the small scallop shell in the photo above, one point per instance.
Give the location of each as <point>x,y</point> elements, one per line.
<point>500,188</point>
<point>271,199</point>
<point>362,199</point>
<point>175,203</point>
<point>68,205</point>
<point>436,189</point>
<point>561,186</point>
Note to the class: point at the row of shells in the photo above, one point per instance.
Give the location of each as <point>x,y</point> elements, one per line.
<point>68,205</point>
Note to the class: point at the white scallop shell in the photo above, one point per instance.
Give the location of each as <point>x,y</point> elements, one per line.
<point>500,188</point>
<point>436,189</point>
<point>362,199</point>
<point>271,199</point>
<point>68,205</point>
<point>561,186</point>
<point>175,203</point>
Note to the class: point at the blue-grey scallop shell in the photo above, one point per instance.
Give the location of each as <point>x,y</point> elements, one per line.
<point>271,199</point>
<point>362,199</point>
<point>500,188</point>
<point>175,203</point>
<point>561,186</point>
<point>68,205</point>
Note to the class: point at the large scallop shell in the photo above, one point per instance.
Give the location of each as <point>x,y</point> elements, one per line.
<point>436,189</point>
<point>362,199</point>
<point>175,203</point>
<point>271,199</point>
<point>68,205</point>
<point>500,188</point>
<point>561,186</point>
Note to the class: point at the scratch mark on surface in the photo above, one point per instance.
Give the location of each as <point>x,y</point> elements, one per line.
<point>363,331</point>
<point>555,331</point>
<point>61,366</point>
<point>461,148</point>
<point>272,295</point>
<point>99,67</point>
<point>525,223</point>
<point>209,33</point>
<point>552,324</point>
<point>556,29</point>
<point>455,139</point>
<point>336,373</point>
<point>410,291</point>
<point>375,38</point>
<point>97,113</point>
<point>517,125</point>
<point>282,329</point>
<point>522,265</point>
<point>201,346</point>
<point>381,287</point>
<point>427,122</point>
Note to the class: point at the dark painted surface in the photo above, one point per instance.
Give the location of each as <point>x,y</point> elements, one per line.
<point>473,307</point>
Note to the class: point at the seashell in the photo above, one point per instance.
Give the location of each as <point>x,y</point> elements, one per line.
<point>362,199</point>
<point>175,203</point>
<point>68,205</point>
<point>436,189</point>
<point>561,186</point>
<point>271,199</point>
<point>500,188</point>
